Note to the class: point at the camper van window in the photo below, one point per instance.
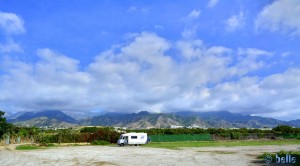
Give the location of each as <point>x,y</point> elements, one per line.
<point>133,137</point>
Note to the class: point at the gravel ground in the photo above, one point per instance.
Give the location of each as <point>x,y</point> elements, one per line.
<point>132,155</point>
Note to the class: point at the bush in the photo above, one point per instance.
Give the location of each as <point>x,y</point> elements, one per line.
<point>46,138</point>
<point>235,135</point>
<point>89,130</point>
<point>99,142</point>
<point>105,134</point>
<point>27,147</point>
<point>283,129</point>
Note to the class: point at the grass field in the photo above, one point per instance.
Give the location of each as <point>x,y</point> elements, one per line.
<point>178,145</point>
<point>27,147</point>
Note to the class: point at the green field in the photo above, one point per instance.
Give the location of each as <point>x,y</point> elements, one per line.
<point>178,145</point>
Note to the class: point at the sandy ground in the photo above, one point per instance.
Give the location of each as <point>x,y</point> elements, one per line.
<point>132,155</point>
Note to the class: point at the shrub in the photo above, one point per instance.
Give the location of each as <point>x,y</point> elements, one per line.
<point>235,135</point>
<point>105,134</point>
<point>89,130</point>
<point>283,129</point>
<point>99,142</point>
<point>27,147</point>
<point>46,138</point>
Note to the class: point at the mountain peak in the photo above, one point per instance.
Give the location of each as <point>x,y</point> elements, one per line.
<point>143,113</point>
<point>51,114</point>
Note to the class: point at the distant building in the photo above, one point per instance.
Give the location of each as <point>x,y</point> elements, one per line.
<point>176,127</point>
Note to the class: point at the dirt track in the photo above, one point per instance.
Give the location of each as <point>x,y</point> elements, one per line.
<point>131,155</point>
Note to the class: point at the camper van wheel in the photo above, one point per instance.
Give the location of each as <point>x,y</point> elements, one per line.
<point>122,144</point>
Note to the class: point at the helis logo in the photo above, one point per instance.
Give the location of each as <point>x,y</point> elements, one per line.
<point>287,159</point>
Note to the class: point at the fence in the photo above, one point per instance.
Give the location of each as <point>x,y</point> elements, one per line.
<point>181,137</point>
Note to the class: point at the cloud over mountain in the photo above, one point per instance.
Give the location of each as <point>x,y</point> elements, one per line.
<point>141,75</point>
<point>159,57</point>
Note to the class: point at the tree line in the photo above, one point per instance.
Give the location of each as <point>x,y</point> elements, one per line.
<point>280,129</point>
<point>90,134</point>
<point>221,133</point>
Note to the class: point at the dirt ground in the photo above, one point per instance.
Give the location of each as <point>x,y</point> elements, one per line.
<point>137,156</point>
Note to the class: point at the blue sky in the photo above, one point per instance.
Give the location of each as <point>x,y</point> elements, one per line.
<point>162,56</point>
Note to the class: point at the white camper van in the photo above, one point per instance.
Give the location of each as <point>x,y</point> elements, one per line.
<point>133,139</point>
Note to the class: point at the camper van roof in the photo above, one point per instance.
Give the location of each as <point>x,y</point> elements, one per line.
<point>134,134</point>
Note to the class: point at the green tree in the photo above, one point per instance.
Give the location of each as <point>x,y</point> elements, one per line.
<point>4,126</point>
<point>283,129</point>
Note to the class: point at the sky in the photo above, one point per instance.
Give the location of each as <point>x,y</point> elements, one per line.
<point>157,56</point>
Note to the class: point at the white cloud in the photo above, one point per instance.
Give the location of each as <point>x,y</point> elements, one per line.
<point>190,32</point>
<point>52,83</point>
<point>191,27</point>
<point>57,61</point>
<point>195,49</point>
<point>254,52</point>
<point>235,22</point>
<point>10,46</point>
<point>132,9</point>
<point>140,75</point>
<point>250,59</point>
<point>274,96</point>
<point>190,49</point>
<point>212,3</point>
<point>11,23</point>
<point>194,14</point>
<point>282,16</point>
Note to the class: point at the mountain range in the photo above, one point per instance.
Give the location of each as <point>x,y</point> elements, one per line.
<point>144,119</point>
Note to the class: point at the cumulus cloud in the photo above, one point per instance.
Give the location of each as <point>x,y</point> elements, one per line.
<point>10,23</point>
<point>282,16</point>
<point>190,32</point>
<point>235,22</point>
<point>194,14</point>
<point>141,75</point>
<point>10,46</point>
<point>251,59</point>
<point>52,83</point>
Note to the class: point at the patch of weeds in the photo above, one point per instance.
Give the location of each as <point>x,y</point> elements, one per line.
<point>50,145</point>
<point>99,142</point>
<point>27,147</point>
<point>34,147</point>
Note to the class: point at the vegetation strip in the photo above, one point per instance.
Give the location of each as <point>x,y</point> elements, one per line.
<point>178,145</point>
<point>34,147</point>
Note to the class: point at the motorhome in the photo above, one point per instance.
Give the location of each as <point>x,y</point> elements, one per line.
<point>133,139</point>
